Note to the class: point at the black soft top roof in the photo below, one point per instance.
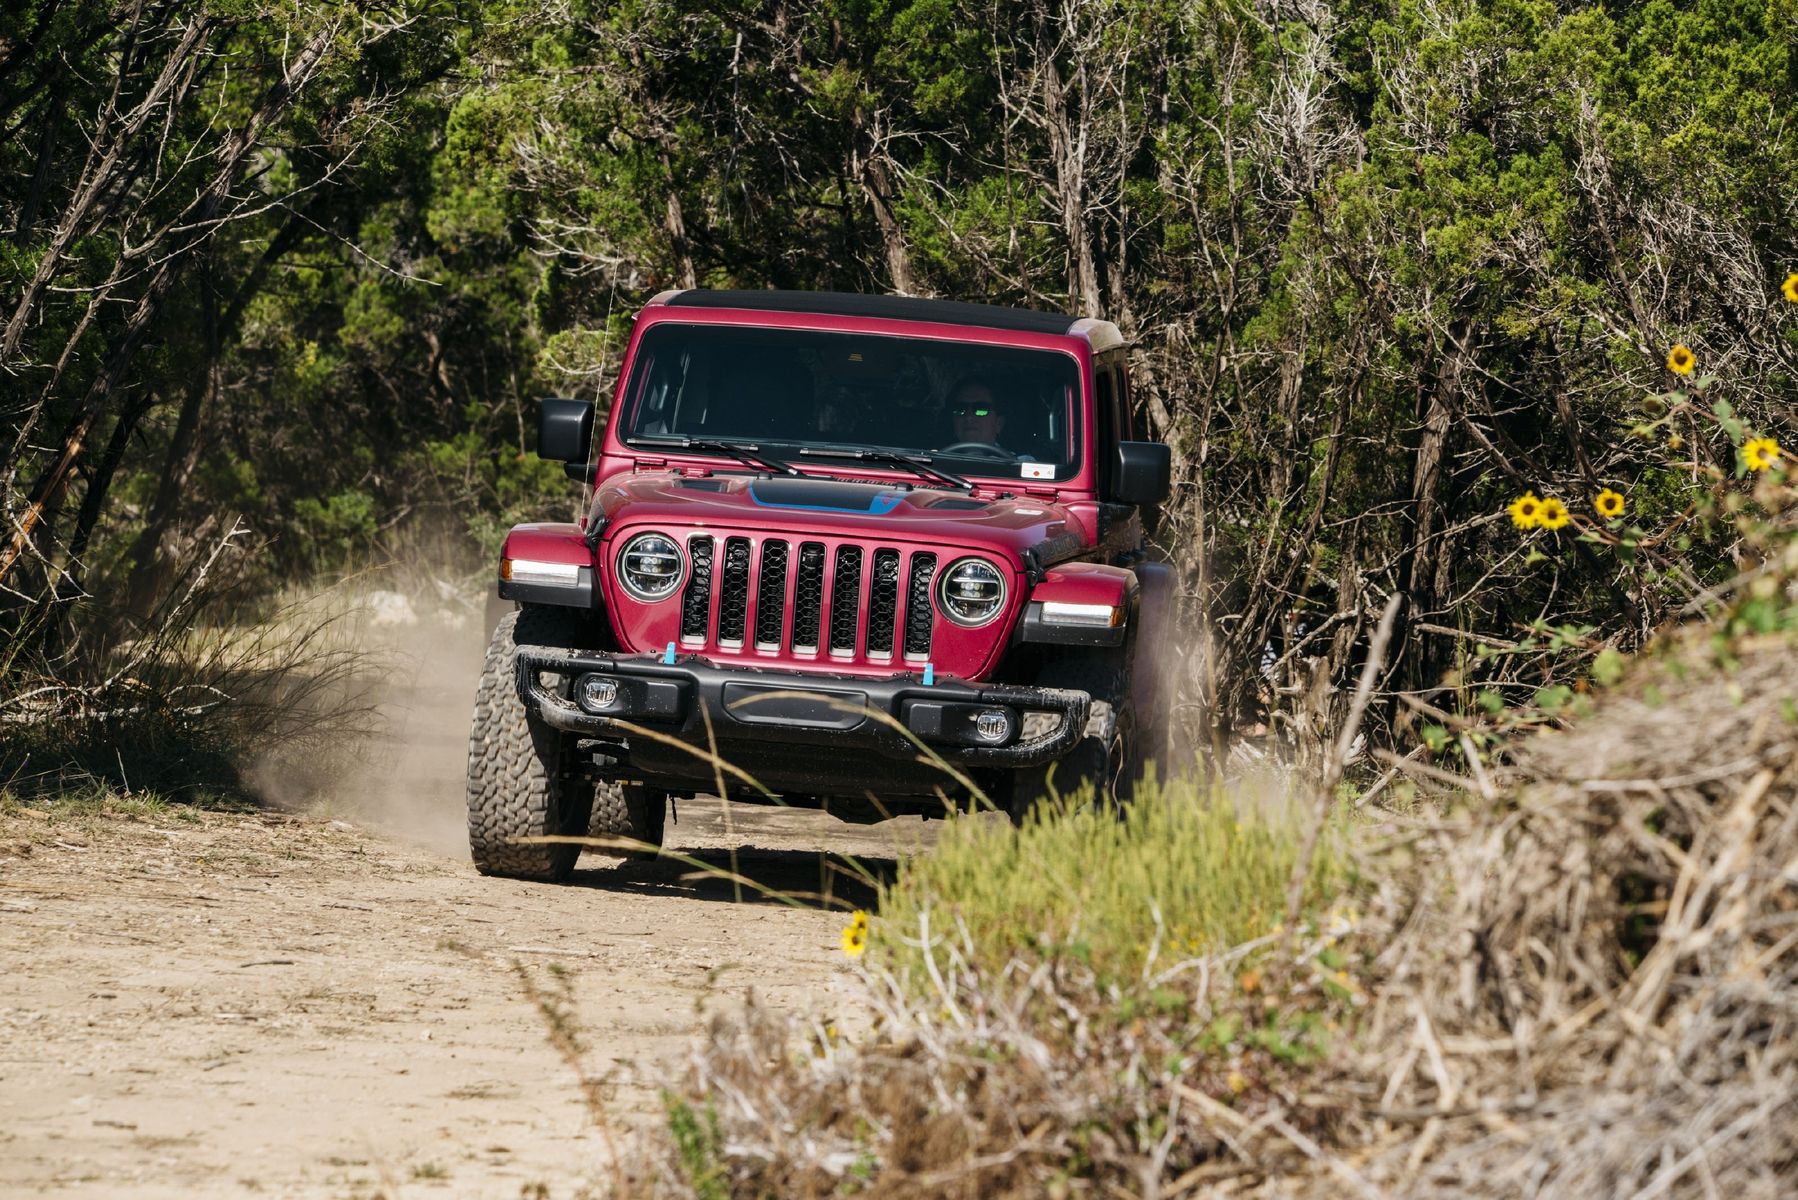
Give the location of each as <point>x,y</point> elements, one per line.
<point>896,308</point>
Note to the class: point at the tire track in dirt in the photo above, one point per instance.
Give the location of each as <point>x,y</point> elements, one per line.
<point>199,1004</point>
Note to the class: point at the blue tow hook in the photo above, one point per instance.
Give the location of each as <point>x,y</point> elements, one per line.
<point>668,655</point>
<point>929,674</point>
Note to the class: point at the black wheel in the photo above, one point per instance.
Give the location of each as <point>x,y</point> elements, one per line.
<point>630,810</point>
<point>1104,759</point>
<point>517,782</point>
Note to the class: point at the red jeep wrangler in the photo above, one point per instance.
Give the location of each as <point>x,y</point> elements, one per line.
<point>858,552</point>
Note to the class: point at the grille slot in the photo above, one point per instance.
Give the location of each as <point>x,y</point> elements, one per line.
<point>918,615</point>
<point>808,596</point>
<point>696,601</point>
<point>771,597</point>
<point>733,592</point>
<point>883,603</point>
<point>845,598</point>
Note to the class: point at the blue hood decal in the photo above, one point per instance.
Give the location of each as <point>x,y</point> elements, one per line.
<point>826,495</point>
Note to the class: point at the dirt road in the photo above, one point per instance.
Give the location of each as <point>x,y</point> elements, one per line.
<point>199,1004</point>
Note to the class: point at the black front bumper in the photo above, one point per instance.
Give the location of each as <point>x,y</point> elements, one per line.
<point>699,703</point>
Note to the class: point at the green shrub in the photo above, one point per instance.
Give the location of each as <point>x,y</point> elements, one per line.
<point>1191,869</point>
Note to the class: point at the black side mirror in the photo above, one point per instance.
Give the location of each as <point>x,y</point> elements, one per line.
<point>1142,473</point>
<point>564,430</point>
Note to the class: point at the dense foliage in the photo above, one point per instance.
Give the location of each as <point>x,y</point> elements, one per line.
<point>1387,266</point>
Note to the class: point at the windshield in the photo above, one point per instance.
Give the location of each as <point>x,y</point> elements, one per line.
<point>971,409</point>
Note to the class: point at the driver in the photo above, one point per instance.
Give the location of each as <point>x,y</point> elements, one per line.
<point>975,414</point>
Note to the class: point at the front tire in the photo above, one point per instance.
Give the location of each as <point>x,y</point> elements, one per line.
<point>633,811</point>
<point>1104,758</point>
<point>518,785</point>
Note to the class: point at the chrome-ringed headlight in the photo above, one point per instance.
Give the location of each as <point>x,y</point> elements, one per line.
<point>651,567</point>
<point>971,592</point>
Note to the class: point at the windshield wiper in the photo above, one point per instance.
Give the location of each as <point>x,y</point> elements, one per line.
<point>747,453</point>
<point>917,463</point>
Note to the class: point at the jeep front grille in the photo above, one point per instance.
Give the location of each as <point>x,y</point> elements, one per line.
<point>808,597</point>
<point>770,597</point>
<point>917,606</point>
<point>842,601</point>
<point>696,601</point>
<point>883,602</point>
<point>845,599</point>
<point>733,592</point>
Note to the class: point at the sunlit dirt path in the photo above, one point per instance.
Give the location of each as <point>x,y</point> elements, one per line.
<point>297,1005</point>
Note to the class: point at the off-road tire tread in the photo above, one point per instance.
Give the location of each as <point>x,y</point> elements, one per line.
<point>629,810</point>
<point>1111,770</point>
<point>515,783</point>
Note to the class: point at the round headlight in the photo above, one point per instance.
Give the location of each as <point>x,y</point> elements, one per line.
<point>650,566</point>
<point>971,591</point>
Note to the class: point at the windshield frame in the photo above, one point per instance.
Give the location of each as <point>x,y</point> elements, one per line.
<point>1079,471</point>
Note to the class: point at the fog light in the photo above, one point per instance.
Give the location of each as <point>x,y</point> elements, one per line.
<point>992,725</point>
<point>596,693</point>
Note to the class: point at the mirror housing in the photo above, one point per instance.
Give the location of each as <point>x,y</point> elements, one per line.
<point>1142,473</point>
<point>564,429</point>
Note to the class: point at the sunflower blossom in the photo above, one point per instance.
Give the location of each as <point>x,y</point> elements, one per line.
<point>855,934</point>
<point>1681,360</point>
<point>1526,511</point>
<point>1791,287</point>
<point>1760,453</point>
<point>1608,504</point>
<point>1553,515</point>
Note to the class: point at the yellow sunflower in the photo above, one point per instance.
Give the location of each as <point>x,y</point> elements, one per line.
<point>1681,360</point>
<point>855,934</point>
<point>1526,511</point>
<point>1791,287</point>
<point>1608,504</point>
<point>1760,453</point>
<point>1553,514</point>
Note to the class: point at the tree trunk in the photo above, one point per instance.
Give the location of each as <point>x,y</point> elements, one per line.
<point>40,178</point>
<point>877,184</point>
<point>1427,580</point>
<point>1067,153</point>
<point>676,221</point>
<point>178,464</point>
<point>71,586</point>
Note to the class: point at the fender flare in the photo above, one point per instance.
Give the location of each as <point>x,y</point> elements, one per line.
<point>1083,583</point>
<point>550,545</point>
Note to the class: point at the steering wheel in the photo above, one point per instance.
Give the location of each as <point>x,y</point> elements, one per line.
<point>979,450</point>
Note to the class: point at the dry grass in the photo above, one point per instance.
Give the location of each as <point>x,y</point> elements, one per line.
<point>188,707</point>
<point>1585,987</point>
<point>1593,989</point>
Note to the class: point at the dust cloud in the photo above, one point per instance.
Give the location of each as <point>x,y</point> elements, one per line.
<point>411,783</point>
<point>405,775</point>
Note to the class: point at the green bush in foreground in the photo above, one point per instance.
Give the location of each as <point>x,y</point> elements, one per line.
<point>1067,1009</point>
<point>1191,869</point>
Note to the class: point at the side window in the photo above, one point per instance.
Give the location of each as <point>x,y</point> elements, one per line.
<point>1105,402</point>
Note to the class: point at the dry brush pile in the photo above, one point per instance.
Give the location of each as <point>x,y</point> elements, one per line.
<point>1579,978</point>
<point>1594,991</point>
